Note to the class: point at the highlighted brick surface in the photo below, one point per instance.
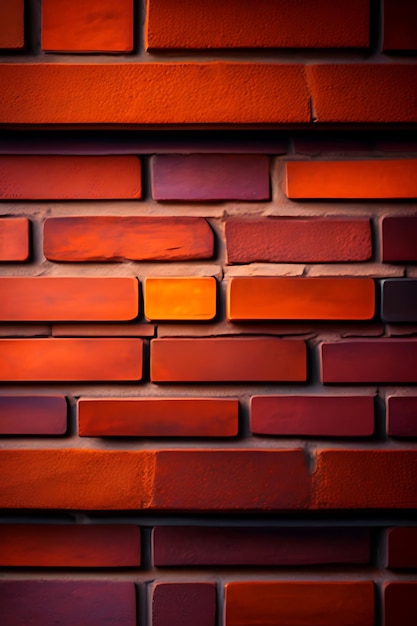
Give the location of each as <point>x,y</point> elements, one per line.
<point>180,298</point>
<point>184,604</point>
<point>14,239</point>
<point>402,416</point>
<point>399,238</point>
<point>12,27</point>
<point>33,415</point>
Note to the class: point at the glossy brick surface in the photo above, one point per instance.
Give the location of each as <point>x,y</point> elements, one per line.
<point>402,548</point>
<point>400,603</point>
<point>184,604</point>
<point>33,415</point>
<point>399,238</point>
<point>14,239</point>
<point>192,298</point>
<point>402,416</point>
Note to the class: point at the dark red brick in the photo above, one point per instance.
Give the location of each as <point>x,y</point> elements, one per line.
<point>400,604</point>
<point>184,604</point>
<point>400,25</point>
<point>399,238</point>
<point>399,300</point>
<point>33,415</point>
<point>402,548</point>
<point>402,416</point>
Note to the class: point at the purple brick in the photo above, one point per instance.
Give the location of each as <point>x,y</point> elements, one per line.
<point>399,300</point>
<point>399,239</point>
<point>402,416</point>
<point>200,177</point>
<point>184,604</point>
<point>33,415</point>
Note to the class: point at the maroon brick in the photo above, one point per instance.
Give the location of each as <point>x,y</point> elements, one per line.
<point>399,300</point>
<point>402,548</point>
<point>33,415</point>
<point>399,239</point>
<point>184,604</point>
<point>402,416</point>
<point>400,604</point>
<point>201,177</point>
<point>400,20</point>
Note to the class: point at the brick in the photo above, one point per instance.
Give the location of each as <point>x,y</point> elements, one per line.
<point>68,299</point>
<point>158,417</point>
<point>70,359</point>
<point>69,177</point>
<point>399,238</point>
<point>195,545</point>
<point>312,416</point>
<point>399,300</point>
<point>176,93</point>
<point>96,26</point>
<point>363,93</point>
<point>264,24</point>
<point>103,330</point>
<point>291,603</point>
<point>365,479</point>
<point>65,545</point>
<point>370,179</point>
<point>300,299</point>
<point>298,240</point>
<point>33,415</point>
<point>402,548</point>
<point>199,177</point>
<point>369,361</point>
<point>400,603</point>
<point>400,21</point>
<point>14,239</point>
<point>51,602</point>
<point>186,298</point>
<point>227,359</point>
<point>12,25</point>
<point>402,416</point>
<point>184,604</point>
<point>103,238</point>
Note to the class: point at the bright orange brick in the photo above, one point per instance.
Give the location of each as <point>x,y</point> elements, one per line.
<point>14,239</point>
<point>12,27</point>
<point>191,298</point>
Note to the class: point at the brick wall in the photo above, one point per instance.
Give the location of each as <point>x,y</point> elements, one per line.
<point>208,313</point>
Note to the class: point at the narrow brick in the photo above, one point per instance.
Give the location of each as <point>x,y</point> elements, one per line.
<point>158,417</point>
<point>300,299</point>
<point>312,416</point>
<point>400,603</point>
<point>298,240</point>
<point>402,416</point>
<point>69,177</point>
<point>14,239</point>
<point>104,238</point>
<point>187,298</point>
<point>70,359</point>
<point>33,415</point>
<point>103,330</point>
<point>196,545</point>
<point>399,239</point>
<point>68,299</point>
<point>400,19</point>
<point>12,25</point>
<point>399,300</point>
<point>402,548</point>
<point>367,179</point>
<point>313,603</point>
<point>369,361</point>
<point>227,359</point>
<point>184,604</point>
<point>64,545</point>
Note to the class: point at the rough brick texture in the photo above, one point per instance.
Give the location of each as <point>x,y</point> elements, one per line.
<point>184,604</point>
<point>14,239</point>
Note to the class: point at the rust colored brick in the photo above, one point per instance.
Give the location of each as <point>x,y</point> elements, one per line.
<point>400,21</point>
<point>12,26</point>
<point>14,239</point>
<point>33,415</point>
<point>185,298</point>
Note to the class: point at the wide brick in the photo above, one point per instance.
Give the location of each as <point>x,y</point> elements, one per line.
<point>12,25</point>
<point>352,179</point>
<point>369,361</point>
<point>400,19</point>
<point>300,299</point>
<point>51,602</point>
<point>366,93</point>
<point>399,238</point>
<point>228,359</point>
<point>400,604</point>
<point>365,479</point>
<point>399,300</point>
<point>94,26</point>
<point>14,239</point>
<point>153,93</point>
<point>103,238</point>
<point>402,416</point>
<point>196,545</point>
<point>68,299</point>
<point>33,415</point>
<point>187,298</point>
<point>199,177</point>
<point>64,545</point>
<point>158,417</point>
<point>313,416</point>
<point>298,240</point>
<point>70,359</point>
<point>184,604</point>
<point>296,603</point>
<point>263,24</point>
<point>402,548</point>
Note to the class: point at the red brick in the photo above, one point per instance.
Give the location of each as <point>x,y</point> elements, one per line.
<point>64,545</point>
<point>104,238</point>
<point>68,299</point>
<point>365,479</point>
<point>69,177</point>
<point>14,239</point>
<point>313,416</point>
<point>263,24</point>
<point>367,93</point>
<point>158,417</point>
<point>369,361</point>
<point>276,298</point>
<point>182,298</point>
<point>12,26</point>
<point>402,548</point>
<point>103,330</point>
<point>33,415</point>
<point>70,359</point>
<point>399,238</point>
<point>296,603</point>
<point>184,604</point>
<point>227,359</point>
<point>96,26</point>
<point>352,179</point>
<point>402,416</point>
<point>298,240</point>
<point>400,21</point>
<point>400,604</point>
<point>199,177</point>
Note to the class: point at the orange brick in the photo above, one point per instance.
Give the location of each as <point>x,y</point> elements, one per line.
<point>68,299</point>
<point>14,239</point>
<point>12,27</point>
<point>352,179</point>
<point>93,26</point>
<point>180,298</point>
<point>300,299</point>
